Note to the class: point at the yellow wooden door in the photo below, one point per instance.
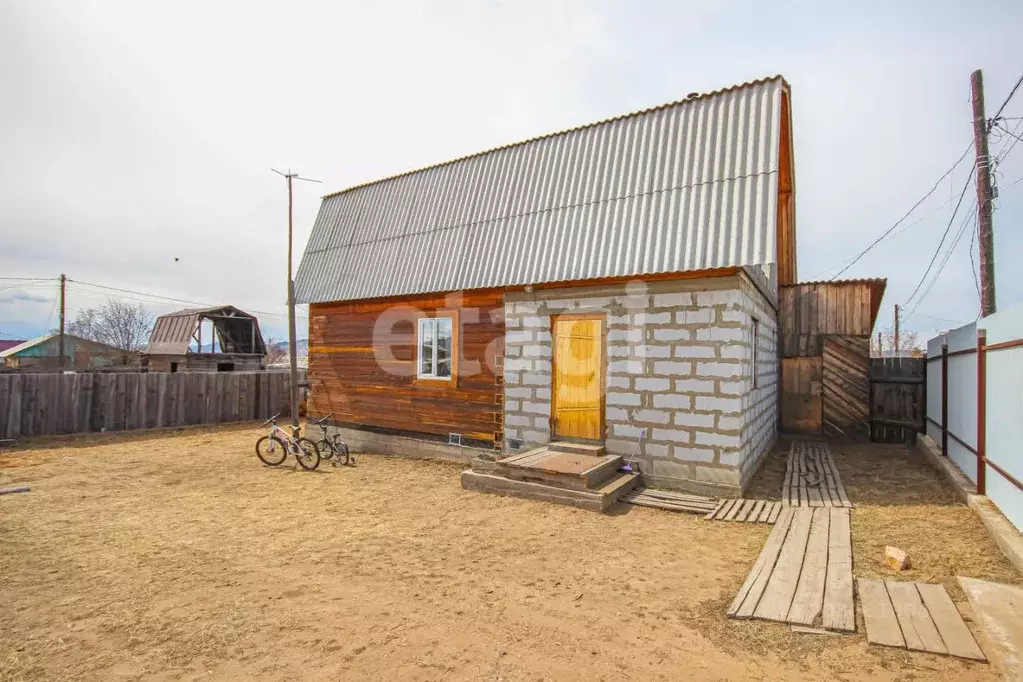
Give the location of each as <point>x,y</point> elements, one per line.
<point>578,377</point>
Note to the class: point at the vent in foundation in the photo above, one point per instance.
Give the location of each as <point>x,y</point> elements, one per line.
<point>515,443</point>
<point>454,439</point>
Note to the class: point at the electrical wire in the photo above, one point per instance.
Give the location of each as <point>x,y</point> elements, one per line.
<point>973,265</point>
<point>898,222</point>
<point>943,237</point>
<point>948,255</point>
<point>1011,93</point>
<point>159,297</point>
<point>30,279</point>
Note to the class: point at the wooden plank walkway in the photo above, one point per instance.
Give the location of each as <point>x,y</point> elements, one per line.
<point>811,477</point>
<point>672,501</point>
<point>803,575</point>
<point>915,616</point>
<point>748,511</point>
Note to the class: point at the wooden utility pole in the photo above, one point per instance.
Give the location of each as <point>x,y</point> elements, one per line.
<point>63,291</point>
<point>985,229</point>
<point>880,348</point>
<point>896,330</point>
<point>292,342</point>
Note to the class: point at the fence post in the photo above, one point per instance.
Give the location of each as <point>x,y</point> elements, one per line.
<point>944,399</point>
<point>981,412</point>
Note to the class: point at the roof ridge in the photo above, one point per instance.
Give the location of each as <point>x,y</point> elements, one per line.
<point>640,112</point>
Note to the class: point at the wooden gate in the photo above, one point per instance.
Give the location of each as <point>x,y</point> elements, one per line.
<point>898,398</point>
<point>846,386</point>
<point>801,395</point>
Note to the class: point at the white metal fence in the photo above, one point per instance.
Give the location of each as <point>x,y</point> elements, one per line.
<point>975,404</point>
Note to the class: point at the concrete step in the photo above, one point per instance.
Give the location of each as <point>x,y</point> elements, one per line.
<point>595,449</point>
<point>600,500</point>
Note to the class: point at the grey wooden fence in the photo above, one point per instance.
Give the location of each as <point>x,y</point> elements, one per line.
<point>54,404</point>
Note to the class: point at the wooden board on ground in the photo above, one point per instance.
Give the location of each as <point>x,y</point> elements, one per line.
<point>914,620</point>
<point>878,614</point>
<point>752,589</point>
<point>915,616</point>
<point>998,609</point>
<point>749,511</point>
<point>809,596</point>
<point>777,599</point>
<point>953,630</point>
<point>839,613</point>
<point>811,477</point>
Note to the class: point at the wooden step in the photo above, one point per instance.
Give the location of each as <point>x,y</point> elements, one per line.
<point>595,449</point>
<point>616,488</point>
<point>561,469</point>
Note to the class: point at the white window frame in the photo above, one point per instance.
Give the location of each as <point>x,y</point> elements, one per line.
<point>420,335</point>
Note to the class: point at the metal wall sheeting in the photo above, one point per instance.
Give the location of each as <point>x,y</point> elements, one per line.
<point>691,185</point>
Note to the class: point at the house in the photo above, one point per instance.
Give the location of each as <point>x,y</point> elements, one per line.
<point>615,284</point>
<point>43,352</point>
<point>233,339</point>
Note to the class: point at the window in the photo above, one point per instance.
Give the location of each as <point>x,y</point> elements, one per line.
<point>174,367</point>
<point>225,366</point>
<point>756,342</point>
<point>435,348</point>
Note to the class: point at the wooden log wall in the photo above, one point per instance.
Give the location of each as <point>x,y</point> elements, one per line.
<point>57,404</point>
<point>898,402</point>
<point>352,374</point>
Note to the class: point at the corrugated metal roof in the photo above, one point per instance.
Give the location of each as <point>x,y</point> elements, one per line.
<point>68,338</point>
<point>690,185</point>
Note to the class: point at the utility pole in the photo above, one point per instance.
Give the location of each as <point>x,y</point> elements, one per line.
<point>896,330</point>
<point>63,291</point>
<point>986,234</point>
<point>880,348</point>
<point>292,342</point>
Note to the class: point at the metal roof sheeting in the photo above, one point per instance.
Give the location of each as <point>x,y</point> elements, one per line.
<point>691,185</point>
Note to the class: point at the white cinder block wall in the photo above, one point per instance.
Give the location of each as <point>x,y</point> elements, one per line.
<point>680,375</point>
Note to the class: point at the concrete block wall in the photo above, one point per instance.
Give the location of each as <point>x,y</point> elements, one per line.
<point>679,375</point>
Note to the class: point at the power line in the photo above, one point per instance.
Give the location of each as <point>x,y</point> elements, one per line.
<point>932,317</point>
<point>1011,93</point>
<point>30,279</point>
<point>943,237</point>
<point>164,298</point>
<point>948,255</point>
<point>973,266</point>
<point>887,232</point>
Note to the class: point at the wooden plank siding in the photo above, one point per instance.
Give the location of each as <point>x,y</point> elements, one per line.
<point>57,404</point>
<point>898,398</point>
<point>810,311</point>
<point>846,386</point>
<point>362,366</point>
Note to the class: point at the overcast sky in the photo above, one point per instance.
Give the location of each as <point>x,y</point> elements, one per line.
<point>136,133</point>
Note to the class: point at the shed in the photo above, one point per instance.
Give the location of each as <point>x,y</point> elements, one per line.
<point>825,347</point>
<point>43,352</point>
<point>234,342</point>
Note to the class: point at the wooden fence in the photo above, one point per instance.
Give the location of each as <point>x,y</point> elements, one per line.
<point>55,404</point>
<point>898,399</point>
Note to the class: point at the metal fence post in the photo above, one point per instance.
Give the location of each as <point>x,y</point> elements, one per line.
<point>944,399</point>
<point>981,412</point>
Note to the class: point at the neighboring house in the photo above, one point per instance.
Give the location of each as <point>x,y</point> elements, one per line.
<point>233,339</point>
<point>44,353</point>
<point>616,282</point>
<point>7,343</point>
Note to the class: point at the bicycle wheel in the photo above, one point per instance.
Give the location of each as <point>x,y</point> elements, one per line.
<point>271,450</point>
<point>343,456</point>
<point>326,452</point>
<point>308,455</point>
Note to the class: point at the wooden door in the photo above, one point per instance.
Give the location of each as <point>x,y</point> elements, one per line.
<point>578,409</point>
<point>847,386</point>
<point>801,409</point>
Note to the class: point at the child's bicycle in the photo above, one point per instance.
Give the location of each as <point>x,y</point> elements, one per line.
<point>273,448</point>
<point>332,447</point>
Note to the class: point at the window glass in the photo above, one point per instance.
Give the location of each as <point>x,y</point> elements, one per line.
<point>435,347</point>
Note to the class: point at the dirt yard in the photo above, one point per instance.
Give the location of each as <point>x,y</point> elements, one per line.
<point>180,556</point>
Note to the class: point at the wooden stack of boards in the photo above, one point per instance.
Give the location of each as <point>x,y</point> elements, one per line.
<point>672,501</point>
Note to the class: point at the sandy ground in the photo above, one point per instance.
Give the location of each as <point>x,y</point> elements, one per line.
<point>179,556</point>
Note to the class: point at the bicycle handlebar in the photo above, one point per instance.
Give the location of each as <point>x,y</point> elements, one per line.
<point>270,420</point>
<point>323,419</point>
